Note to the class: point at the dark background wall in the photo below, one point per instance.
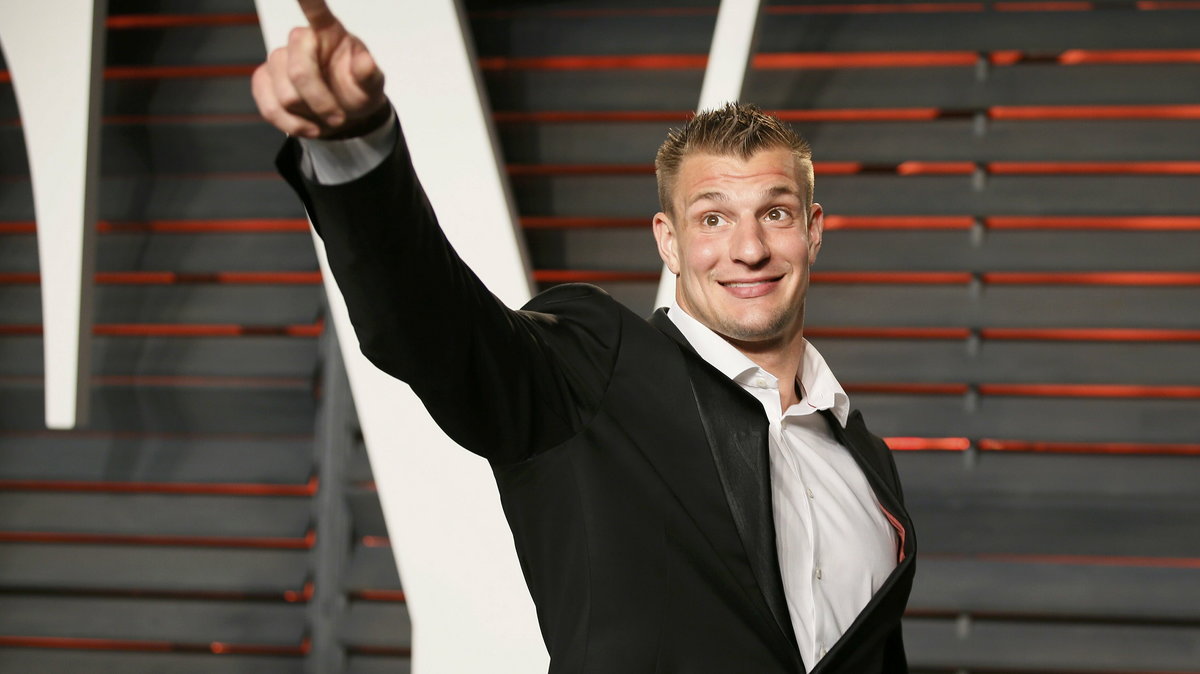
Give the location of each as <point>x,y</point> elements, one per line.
<point>1009,289</point>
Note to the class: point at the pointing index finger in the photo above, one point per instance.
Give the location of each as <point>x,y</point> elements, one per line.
<point>318,14</point>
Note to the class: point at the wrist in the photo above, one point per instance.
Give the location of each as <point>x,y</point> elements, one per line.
<point>365,125</point>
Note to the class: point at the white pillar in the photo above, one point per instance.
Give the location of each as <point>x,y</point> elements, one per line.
<point>728,60</point>
<point>55,53</point>
<point>470,607</point>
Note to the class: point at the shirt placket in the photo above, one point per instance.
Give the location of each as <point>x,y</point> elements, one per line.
<point>816,621</point>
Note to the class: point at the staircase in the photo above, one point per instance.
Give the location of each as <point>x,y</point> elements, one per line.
<point>1009,288</point>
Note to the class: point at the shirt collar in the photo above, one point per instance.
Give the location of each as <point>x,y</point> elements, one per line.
<point>820,388</point>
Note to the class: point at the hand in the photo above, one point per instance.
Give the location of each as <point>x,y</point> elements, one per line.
<point>323,84</point>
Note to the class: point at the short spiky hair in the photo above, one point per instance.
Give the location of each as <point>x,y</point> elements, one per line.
<point>734,129</point>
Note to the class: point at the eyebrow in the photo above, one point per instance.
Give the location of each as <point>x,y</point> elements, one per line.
<point>714,196</point>
<point>782,190</point>
<point>778,190</point>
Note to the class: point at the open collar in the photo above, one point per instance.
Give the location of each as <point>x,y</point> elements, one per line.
<point>820,389</point>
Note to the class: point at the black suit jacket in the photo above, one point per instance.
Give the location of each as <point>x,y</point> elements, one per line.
<point>633,474</point>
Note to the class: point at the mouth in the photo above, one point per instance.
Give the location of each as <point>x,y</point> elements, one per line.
<point>750,288</point>
<point>746,283</point>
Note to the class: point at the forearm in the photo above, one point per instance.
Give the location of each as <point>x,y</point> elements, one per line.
<point>503,383</point>
<point>404,285</point>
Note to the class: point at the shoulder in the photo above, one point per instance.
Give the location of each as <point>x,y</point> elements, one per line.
<point>579,304</point>
<point>570,293</point>
<point>576,317</point>
<point>591,306</point>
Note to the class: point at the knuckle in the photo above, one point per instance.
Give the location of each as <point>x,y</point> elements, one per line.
<point>322,107</point>
<point>271,111</point>
<point>298,72</point>
<point>294,106</point>
<point>289,100</point>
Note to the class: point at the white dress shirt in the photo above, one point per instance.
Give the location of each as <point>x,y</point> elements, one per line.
<point>836,547</point>
<point>333,162</point>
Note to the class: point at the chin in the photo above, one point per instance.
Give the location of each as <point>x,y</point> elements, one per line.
<point>757,328</point>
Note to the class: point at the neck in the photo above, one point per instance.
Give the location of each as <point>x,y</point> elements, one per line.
<point>782,359</point>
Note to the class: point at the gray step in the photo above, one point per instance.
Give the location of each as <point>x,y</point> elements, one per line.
<point>138,199</point>
<point>1044,419</point>
<point>372,568</point>
<point>196,147</point>
<point>1125,28</point>
<point>45,661</point>
<point>376,623</point>
<point>183,96</point>
<point>534,35</point>
<point>952,478</point>
<point>1002,306</point>
<point>171,620</point>
<point>1009,250</point>
<point>181,303</point>
<point>250,356</point>
<point>1001,361</point>
<point>1097,591</point>
<point>961,87</point>
<point>943,87</point>
<point>1047,646</point>
<point>948,139</point>
<point>378,664</point>
<point>162,96</point>
<point>156,458</point>
<point>186,45</point>
<point>237,517</point>
<point>179,6</point>
<point>195,410</point>
<point>366,512</point>
<point>179,252</point>
<point>1093,526</point>
<point>146,568</point>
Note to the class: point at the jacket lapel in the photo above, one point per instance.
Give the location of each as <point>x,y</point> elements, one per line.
<point>881,615</point>
<point>871,456</point>
<point>736,430</point>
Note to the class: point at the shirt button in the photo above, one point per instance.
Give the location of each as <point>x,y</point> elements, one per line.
<point>760,382</point>
<point>810,493</point>
<point>818,573</point>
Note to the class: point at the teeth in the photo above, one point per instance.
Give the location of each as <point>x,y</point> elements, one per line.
<point>745,285</point>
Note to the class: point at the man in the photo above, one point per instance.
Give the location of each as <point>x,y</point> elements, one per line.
<point>688,494</point>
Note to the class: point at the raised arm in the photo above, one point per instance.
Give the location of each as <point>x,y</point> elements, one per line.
<point>505,384</point>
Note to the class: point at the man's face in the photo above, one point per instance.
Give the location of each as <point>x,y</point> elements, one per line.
<point>741,243</point>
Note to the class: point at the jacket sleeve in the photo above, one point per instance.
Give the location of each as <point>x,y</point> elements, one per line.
<point>504,384</point>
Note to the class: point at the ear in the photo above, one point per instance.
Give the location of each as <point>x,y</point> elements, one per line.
<point>816,229</point>
<point>668,243</point>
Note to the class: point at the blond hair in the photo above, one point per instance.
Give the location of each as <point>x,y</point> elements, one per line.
<point>734,129</point>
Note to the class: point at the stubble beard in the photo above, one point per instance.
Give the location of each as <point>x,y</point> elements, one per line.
<point>772,329</point>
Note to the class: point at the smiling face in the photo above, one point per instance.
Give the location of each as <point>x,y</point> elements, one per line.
<point>740,241</point>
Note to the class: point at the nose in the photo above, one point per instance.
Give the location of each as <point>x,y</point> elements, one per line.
<point>748,243</point>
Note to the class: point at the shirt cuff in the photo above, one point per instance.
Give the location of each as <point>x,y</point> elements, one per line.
<point>333,162</point>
